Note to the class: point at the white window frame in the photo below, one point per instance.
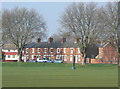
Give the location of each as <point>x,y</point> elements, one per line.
<point>71,57</point>
<point>38,50</point>
<point>78,57</point>
<point>65,57</point>
<point>32,57</point>
<point>58,49</point>
<point>26,50</point>
<point>45,50</point>
<point>9,56</point>
<point>58,57</point>
<point>13,56</point>
<point>50,50</point>
<point>64,50</point>
<point>71,50</point>
<point>9,50</point>
<point>78,50</point>
<point>33,50</point>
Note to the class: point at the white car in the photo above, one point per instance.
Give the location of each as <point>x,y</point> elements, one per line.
<point>41,60</point>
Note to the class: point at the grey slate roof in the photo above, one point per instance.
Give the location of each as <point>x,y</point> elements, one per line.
<point>103,45</point>
<point>9,46</point>
<point>56,44</point>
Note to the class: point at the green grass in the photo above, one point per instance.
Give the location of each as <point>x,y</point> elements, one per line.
<point>59,75</point>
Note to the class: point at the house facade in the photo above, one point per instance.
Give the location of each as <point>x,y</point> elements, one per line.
<point>107,54</point>
<point>64,50</point>
<point>9,52</point>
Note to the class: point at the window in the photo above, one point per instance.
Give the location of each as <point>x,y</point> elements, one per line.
<point>72,50</point>
<point>32,50</point>
<point>78,50</point>
<point>65,58</point>
<point>78,57</point>
<point>26,50</point>
<point>45,50</point>
<point>38,50</point>
<point>8,50</point>
<point>58,50</point>
<point>8,56</point>
<point>58,57</point>
<point>71,57</point>
<point>13,56</point>
<point>51,50</point>
<point>64,50</point>
<point>32,56</point>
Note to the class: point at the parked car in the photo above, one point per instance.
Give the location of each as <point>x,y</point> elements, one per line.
<point>41,60</point>
<point>49,61</point>
<point>58,61</point>
<point>32,60</point>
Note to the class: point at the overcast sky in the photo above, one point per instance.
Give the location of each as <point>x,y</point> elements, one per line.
<point>51,11</point>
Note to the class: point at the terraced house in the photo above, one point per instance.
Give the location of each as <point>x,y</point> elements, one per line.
<point>64,50</point>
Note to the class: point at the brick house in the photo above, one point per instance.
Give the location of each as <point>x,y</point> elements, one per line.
<point>64,50</point>
<point>107,54</point>
<point>9,52</point>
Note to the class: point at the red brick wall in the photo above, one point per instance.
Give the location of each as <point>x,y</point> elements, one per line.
<point>48,52</point>
<point>110,54</point>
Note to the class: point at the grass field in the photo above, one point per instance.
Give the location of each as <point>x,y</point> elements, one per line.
<point>59,75</point>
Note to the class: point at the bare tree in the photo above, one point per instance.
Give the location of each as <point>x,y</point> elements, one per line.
<point>62,34</point>
<point>82,20</point>
<point>21,25</point>
<point>111,28</point>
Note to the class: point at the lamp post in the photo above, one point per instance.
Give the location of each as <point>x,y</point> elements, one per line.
<point>73,64</point>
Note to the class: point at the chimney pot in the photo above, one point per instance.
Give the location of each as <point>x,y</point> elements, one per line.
<point>76,40</point>
<point>63,40</point>
<point>50,40</point>
<point>38,40</point>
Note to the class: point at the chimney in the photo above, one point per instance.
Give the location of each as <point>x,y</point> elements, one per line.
<point>50,40</point>
<point>63,40</point>
<point>38,40</point>
<point>101,42</point>
<point>76,40</point>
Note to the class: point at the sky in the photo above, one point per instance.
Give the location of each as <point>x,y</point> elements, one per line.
<point>51,12</point>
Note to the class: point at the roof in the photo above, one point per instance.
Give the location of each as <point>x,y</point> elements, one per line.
<point>103,45</point>
<point>9,46</point>
<point>56,44</point>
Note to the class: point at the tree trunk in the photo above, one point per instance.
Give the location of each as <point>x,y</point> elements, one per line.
<point>118,60</point>
<point>84,59</point>
<point>19,55</point>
